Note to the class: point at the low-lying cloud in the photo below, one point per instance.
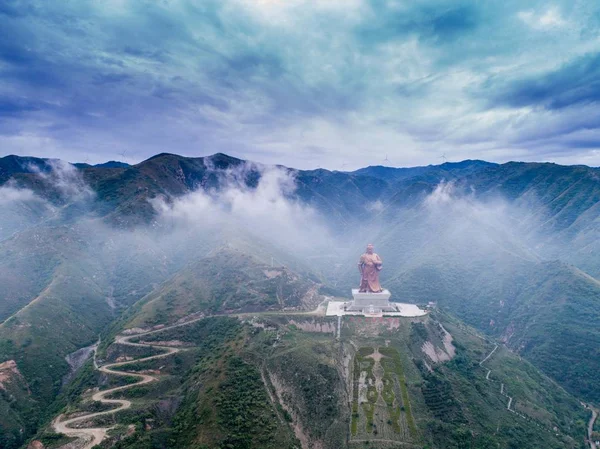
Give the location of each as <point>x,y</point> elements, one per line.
<point>10,194</point>
<point>66,178</point>
<point>19,209</point>
<point>267,211</point>
<point>462,214</point>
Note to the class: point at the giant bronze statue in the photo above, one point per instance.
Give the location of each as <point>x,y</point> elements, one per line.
<point>369,266</point>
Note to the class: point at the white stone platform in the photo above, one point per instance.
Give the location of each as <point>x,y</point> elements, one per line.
<point>383,295</point>
<point>336,308</point>
<point>371,302</point>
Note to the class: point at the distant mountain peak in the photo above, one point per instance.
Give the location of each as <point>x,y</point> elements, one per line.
<point>222,160</point>
<point>113,164</point>
<point>468,163</point>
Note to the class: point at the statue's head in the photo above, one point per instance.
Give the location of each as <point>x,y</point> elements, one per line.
<point>370,248</point>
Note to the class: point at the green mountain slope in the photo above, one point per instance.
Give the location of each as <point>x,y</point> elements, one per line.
<point>226,281</point>
<point>287,381</point>
<point>542,311</point>
<point>18,411</point>
<point>67,315</point>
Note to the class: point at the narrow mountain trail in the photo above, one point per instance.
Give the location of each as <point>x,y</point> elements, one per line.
<point>488,356</point>
<point>95,435</point>
<point>591,427</point>
<point>504,393</point>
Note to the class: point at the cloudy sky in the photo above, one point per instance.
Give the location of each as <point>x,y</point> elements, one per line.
<point>306,83</point>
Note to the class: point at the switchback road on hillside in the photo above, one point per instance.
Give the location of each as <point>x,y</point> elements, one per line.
<point>95,435</point>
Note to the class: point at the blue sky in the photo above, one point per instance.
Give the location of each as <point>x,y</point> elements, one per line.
<point>338,84</point>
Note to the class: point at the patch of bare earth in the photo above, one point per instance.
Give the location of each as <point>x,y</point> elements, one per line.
<point>438,355</point>
<point>9,372</point>
<point>448,346</point>
<point>435,354</point>
<point>313,326</point>
<point>270,274</point>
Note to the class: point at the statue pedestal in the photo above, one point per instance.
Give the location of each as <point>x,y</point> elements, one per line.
<point>371,302</point>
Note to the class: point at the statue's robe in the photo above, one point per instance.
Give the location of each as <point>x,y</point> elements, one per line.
<point>370,266</point>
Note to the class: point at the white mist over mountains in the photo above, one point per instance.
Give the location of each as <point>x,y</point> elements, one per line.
<point>267,211</point>
<point>447,227</point>
<point>11,195</point>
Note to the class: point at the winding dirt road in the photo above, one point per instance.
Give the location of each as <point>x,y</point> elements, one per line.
<point>94,435</point>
